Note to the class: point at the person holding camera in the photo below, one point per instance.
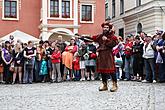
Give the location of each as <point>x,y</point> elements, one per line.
<point>161,57</point>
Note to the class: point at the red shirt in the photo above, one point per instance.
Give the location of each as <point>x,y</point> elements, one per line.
<point>56,57</point>
<point>76,65</point>
<point>126,50</point>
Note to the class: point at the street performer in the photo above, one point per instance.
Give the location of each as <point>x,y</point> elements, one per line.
<point>105,60</point>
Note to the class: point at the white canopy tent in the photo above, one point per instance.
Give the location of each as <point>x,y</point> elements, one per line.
<point>19,35</point>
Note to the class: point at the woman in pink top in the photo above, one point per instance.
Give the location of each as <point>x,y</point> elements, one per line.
<point>67,57</point>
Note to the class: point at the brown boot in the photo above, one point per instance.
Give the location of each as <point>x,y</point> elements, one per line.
<point>114,87</point>
<point>103,87</point>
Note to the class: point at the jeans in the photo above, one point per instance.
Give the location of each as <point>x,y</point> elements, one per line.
<point>149,68</point>
<point>128,67</point>
<point>161,72</point>
<point>28,73</point>
<point>77,74</point>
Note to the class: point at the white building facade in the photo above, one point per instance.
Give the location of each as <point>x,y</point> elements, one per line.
<point>134,16</point>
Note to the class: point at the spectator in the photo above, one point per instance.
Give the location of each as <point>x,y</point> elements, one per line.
<point>161,65</point>
<point>91,61</point>
<point>137,59</point>
<point>56,59</point>
<point>128,58</point>
<point>18,62</point>
<point>44,69</point>
<point>149,60</point>
<point>68,57</point>
<point>7,57</point>
<point>29,54</point>
<point>82,51</point>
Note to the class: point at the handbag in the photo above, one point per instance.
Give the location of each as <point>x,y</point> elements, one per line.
<point>118,61</point>
<point>29,64</point>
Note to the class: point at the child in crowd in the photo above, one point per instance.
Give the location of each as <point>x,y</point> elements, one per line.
<point>44,70</point>
<point>83,56</point>
<point>76,66</point>
<point>117,51</point>
<point>56,59</point>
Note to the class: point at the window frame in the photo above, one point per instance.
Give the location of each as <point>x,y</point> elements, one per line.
<point>106,10</point>
<point>60,11</point>
<point>17,10</point>
<point>138,3</point>
<point>121,29</point>
<point>54,7</point>
<point>65,9</point>
<point>113,8</point>
<point>121,7</point>
<point>92,13</point>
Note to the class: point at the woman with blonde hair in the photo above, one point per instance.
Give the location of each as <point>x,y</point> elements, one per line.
<point>18,56</point>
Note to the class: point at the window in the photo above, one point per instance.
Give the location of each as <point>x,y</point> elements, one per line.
<point>121,32</point>
<point>121,7</point>
<point>65,9</point>
<point>10,9</point>
<point>113,8</point>
<point>138,2</point>
<point>139,28</point>
<point>106,10</point>
<point>54,8</point>
<point>86,13</point>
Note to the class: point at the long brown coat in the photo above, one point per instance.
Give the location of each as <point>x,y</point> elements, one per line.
<point>105,60</point>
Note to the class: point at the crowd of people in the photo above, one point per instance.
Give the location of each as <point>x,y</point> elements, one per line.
<point>47,61</point>
<point>141,57</point>
<point>138,57</point>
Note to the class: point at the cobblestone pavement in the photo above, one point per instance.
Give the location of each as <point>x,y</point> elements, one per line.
<point>82,96</point>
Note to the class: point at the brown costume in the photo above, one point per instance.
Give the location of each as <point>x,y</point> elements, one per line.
<point>105,61</point>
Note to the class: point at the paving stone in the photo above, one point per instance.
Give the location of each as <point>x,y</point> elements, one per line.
<point>82,96</point>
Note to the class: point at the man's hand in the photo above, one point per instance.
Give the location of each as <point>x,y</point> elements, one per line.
<point>104,38</point>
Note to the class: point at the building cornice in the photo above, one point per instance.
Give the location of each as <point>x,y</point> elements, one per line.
<point>59,26</point>
<point>141,13</point>
<point>139,7</point>
<point>146,6</point>
<point>87,1</point>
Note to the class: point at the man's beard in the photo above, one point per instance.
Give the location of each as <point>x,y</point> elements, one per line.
<point>105,32</point>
